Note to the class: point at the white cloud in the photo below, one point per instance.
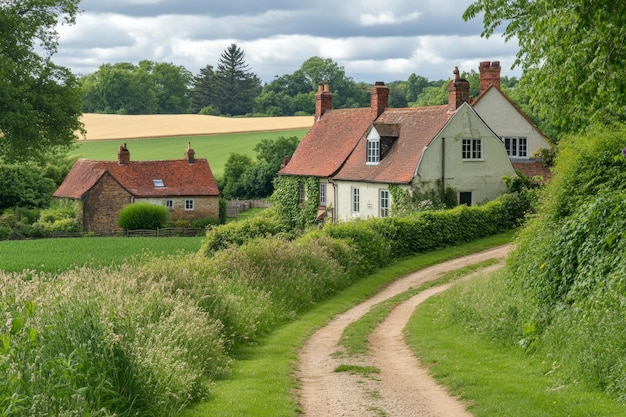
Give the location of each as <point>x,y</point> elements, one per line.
<point>387,18</point>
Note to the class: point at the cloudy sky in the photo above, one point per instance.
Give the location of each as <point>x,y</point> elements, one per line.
<point>373,40</point>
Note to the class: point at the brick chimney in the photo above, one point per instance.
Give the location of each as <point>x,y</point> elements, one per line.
<point>458,91</point>
<point>379,99</point>
<point>123,155</point>
<point>323,100</point>
<point>190,154</point>
<point>489,75</point>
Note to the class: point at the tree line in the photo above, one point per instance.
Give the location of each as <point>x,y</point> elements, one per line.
<point>231,88</point>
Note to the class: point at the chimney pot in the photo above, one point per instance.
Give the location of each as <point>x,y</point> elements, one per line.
<point>123,155</point>
<point>458,91</point>
<point>323,100</point>
<point>489,75</point>
<point>190,154</point>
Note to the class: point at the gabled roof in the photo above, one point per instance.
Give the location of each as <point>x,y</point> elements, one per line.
<point>418,126</point>
<point>328,143</point>
<point>512,103</point>
<point>180,178</point>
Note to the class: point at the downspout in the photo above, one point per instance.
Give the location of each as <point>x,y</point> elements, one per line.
<point>443,167</point>
<point>335,199</point>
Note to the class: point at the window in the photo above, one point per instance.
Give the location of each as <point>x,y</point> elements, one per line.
<point>373,151</point>
<point>465,197</point>
<point>384,203</point>
<point>516,147</point>
<point>301,193</point>
<point>158,183</point>
<point>355,200</point>
<point>169,204</point>
<point>323,194</point>
<point>472,149</point>
<point>189,205</point>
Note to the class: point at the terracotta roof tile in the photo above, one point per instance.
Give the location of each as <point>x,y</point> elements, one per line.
<point>418,126</point>
<point>328,143</point>
<point>180,178</point>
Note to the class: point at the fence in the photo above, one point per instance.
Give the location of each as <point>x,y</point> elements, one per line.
<point>234,207</point>
<point>165,232</point>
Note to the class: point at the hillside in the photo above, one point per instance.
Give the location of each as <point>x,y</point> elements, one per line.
<point>114,126</point>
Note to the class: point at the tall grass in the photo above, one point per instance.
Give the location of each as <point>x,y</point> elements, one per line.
<point>215,148</point>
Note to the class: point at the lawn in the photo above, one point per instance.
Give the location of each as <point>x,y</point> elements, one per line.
<point>215,148</point>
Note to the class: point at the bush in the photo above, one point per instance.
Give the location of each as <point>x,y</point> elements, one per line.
<point>142,216</point>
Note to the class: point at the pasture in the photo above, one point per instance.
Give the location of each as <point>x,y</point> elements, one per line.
<point>166,136</point>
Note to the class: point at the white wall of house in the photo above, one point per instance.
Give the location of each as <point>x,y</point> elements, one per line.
<point>477,177</point>
<point>369,200</point>
<point>504,119</point>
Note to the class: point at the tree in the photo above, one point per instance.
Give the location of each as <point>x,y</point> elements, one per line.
<point>571,52</point>
<point>171,86</point>
<point>40,102</point>
<point>202,92</point>
<point>236,85</point>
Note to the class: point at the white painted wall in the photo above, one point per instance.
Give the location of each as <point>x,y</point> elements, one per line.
<point>481,177</point>
<point>504,119</point>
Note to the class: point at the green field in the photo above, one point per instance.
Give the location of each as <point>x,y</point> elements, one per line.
<point>215,148</point>
<point>55,255</point>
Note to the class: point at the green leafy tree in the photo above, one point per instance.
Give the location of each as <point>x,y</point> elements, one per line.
<point>40,102</point>
<point>202,93</point>
<point>171,86</point>
<point>433,96</point>
<point>414,87</point>
<point>571,51</point>
<point>24,186</point>
<point>231,185</point>
<point>236,86</point>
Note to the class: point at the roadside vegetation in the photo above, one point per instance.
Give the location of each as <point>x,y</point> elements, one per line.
<point>150,337</point>
<point>558,306</point>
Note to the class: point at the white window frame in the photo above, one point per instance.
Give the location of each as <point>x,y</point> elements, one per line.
<point>384,200</point>
<point>301,193</point>
<point>373,152</point>
<point>472,149</point>
<point>189,205</point>
<point>356,200</point>
<point>323,194</point>
<point>169,204</point>
<point>516,146</point>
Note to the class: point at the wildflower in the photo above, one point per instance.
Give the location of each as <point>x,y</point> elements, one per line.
<point>542,265</point>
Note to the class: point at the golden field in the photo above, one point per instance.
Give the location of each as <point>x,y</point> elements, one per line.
<point>114,126</point>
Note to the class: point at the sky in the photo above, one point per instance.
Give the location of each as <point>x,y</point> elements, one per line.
<point>373,40</point>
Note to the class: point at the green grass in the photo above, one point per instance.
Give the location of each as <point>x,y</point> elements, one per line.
<point>497,381</point>
<point>215,148</point>
<point>354,337</point>
<point>262,381</point>
<point>55,255</point>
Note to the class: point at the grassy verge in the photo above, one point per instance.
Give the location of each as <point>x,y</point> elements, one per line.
<point>262,380</point>
<point>496,380</point>
<point>55,255</point>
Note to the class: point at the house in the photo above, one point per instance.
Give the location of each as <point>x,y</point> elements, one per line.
<point>358,155</point>
<point>521,137</point>
<point>185,186</point>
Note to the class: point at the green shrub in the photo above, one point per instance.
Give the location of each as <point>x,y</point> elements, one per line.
<point>142,216</point>
<point>238,233</point>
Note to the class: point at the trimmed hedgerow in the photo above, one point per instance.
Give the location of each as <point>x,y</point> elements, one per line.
<point>142,216</point>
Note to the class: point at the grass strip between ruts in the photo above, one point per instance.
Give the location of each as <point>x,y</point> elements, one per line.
<point>262,382</point>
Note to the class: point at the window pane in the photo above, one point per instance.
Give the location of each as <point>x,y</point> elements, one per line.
<point>355,200</point>
<point>384,203</point>
<point>322,194</point>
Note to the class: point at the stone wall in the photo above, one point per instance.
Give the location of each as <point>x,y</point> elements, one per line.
<point>102,204</point>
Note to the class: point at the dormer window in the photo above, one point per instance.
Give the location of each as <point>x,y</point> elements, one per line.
<point>373,151</point>
<point>158,183</point>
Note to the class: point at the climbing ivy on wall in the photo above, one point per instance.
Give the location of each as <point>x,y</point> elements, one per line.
<point>400,200</point>
<point>286,201</point>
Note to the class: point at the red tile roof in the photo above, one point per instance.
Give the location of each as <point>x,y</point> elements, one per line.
<point>418,127</point>
<point>180,178</point>
<point>328,143</point>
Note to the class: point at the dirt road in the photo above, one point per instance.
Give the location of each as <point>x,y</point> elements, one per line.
<point>403,388</point>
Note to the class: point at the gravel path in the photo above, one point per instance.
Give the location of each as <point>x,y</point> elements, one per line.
<point>403,388</point>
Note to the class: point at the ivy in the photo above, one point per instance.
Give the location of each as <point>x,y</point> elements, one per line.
<point>290,211</point>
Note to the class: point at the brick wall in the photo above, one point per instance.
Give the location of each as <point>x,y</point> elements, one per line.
<point>102,204</point>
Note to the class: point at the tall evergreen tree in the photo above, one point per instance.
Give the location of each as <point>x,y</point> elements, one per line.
<point>202,91</point>
<point>236,85</point>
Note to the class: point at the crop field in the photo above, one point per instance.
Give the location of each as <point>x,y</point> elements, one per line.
<point>159,137</point>
<point>56,255</point>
